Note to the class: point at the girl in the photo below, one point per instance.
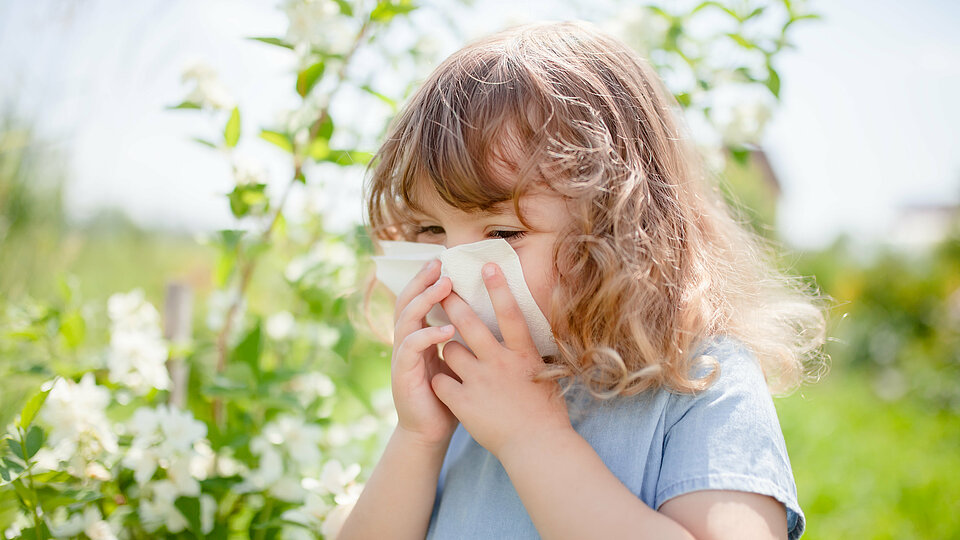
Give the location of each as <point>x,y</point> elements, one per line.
<point>654,419</point>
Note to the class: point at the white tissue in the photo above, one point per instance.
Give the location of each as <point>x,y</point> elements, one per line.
<point>402,260</point>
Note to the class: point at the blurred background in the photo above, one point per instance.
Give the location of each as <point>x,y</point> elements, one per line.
<point>195,167</point>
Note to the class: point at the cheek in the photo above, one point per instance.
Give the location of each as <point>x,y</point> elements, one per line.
<point>540,280</point>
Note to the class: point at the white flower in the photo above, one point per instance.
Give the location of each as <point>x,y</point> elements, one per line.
<point>138,360</point>
<point>203,460</point>
<point>76,414</point>
<point>330,262</point>
<point>365,427</point>
<point>179,429</point>
<point>280,325</point>
<point>745,123</point>
<point>89,522</point>
<point>310,515</point>
<point>288,488</point>
<point>300,439</point>
<point>337,435</point>
<point>179,474</point>
<point>382,401</point>
<point>317,23</point>
<point>170,438</point>
<point>311,386</point>
<point>130,312</point>
<point>639,28</point>
<point>20,522</point>
<point>270,468</point>
<point>158,509</point>
<point>247,170</point>
<point>208,509</point>
<point>334,478</point>
<point>138,353</point>
<point>208,91</point>
<point>97,471</point>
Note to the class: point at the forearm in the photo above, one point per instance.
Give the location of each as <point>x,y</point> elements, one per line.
<point>397,499</point>
<point>570,493</point>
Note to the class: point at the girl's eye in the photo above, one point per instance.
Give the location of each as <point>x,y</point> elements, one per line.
<point>430,229</point>
<point>437,230</point>
<point>509,235</point>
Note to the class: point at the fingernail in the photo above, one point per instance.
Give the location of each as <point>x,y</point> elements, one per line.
<point>432,264</point>
<point>489,270</point>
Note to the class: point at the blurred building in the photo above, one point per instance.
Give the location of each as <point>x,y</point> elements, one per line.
<point>919,227</point>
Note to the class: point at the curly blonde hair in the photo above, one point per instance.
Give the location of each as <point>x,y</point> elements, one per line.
<point>654,262</point>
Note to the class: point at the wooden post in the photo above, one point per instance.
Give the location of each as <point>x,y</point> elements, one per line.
<point>178,320</point>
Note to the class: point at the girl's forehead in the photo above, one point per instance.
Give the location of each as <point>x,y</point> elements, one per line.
<point>427,200</point>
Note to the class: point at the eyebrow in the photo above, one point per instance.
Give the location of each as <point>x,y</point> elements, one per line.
<point>499,209</point>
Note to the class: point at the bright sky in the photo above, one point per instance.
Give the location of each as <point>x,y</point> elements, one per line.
<point>868,119</point>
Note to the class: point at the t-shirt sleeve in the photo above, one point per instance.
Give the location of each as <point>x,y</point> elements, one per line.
<point>728,437</point>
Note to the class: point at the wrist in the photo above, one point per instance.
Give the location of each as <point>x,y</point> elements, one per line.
<point>533,445</point>
<point>411,439</point>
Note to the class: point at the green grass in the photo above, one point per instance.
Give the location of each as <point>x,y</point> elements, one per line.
<point>866,468</point>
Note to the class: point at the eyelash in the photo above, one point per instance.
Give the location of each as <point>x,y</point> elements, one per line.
<point>509,235</point>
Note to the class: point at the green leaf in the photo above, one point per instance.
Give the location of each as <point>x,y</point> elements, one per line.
<point>323,127</point>
<point>740,154</point>
<point>12,466</point>
<point>773,81</point>
<point>345,343</point>
<point>16,449</point>
<point>73,329</point>
<point>273,41</point>
<point>683,99</point>
<point>387,10</point>
<point>345,7</point>
<point>231,132</point>
<point>755,13</point>
<point>386,99</point>
<point>349,157</point>
<point>742,41</point>
<point>52,477</point>
<point>231,237</point>
<point>189,507</point>
<point>33,405</point>
<point>184,105</point>
<point>34,440</point>
<point>307,78</point>
<point>319,149</point>
<point>248,198</point>
<point>204,142</point>
<point>226,263</point>
<point>276,138</point>
<point>249,349</point>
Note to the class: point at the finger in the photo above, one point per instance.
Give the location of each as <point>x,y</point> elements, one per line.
<point>513,326</point>
<point>411,318</point>
<point>458,357</point>
<point>417,342</point>
<point>473,330</point>
<point>447,390</point>
<point>427,275</point>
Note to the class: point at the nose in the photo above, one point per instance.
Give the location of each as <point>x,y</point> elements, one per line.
<point>457,239</point>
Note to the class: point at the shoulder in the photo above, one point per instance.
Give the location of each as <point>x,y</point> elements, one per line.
<point>728,436</point>
<point>738,379</point>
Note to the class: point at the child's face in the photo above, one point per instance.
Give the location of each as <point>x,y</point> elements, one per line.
<point>546,212</point>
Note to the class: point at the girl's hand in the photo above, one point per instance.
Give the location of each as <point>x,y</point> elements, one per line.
<point>415,359</point>
<point>496,400</point>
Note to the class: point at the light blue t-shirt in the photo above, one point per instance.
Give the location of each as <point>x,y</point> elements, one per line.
<point>659,444</point>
